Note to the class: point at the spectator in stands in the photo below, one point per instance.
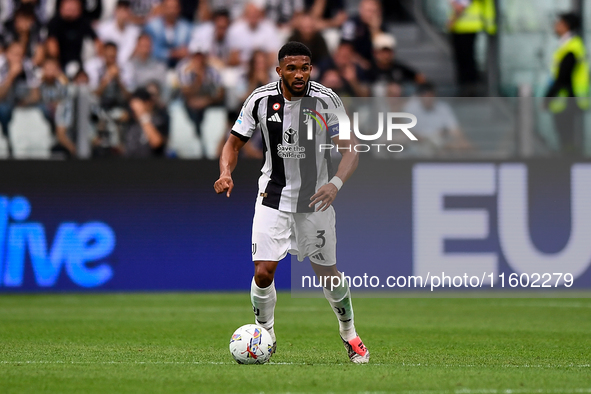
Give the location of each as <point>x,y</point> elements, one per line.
<point>213,35</point>
<point>252,32</point>
<point>258,74</point>
<point>351,76</point>
<point>142,67</point>
<point>155,90</point>
<point>91,9</point>
<point>306,33</point>
<point>121,31</point>
<point>437,129</point>
<point>395,11</point>
<point>66,33</point>
<point>23,28</point>
<point>170,34</point>
<point>81,78</point>
<point>360,30</point>
<point>148,133</point>
<point>201,86</point>
<point>469,18</point>
<point>52,90</point>
<point>327,13</point>
<point>8,9</point>
<point>568,94</point>
<point>333,80</point>
<point>190,9</point>
<point>387,69</point>
<point>65,120</point>
<point>258,71</point>
<point>106,79</point>
<point>394,90</point>
<point>282,12</point>
<point>17,84</point>
<point>142,10</point>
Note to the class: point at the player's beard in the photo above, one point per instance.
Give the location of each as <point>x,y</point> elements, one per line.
<point>292,91</point>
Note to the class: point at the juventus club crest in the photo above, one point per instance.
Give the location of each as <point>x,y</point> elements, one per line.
<point>290,137</point>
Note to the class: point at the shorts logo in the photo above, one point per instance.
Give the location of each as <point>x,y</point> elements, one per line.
<point>254,248</point>
<point>290,137</point>
<point>276,106</point>
<point>319,257</point>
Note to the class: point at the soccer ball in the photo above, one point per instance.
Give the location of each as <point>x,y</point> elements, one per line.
<point>251,344</point>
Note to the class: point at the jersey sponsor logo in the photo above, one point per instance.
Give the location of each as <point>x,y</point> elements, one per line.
<point>291,152</point>
<point>275,118</point>
<point>290,137</point>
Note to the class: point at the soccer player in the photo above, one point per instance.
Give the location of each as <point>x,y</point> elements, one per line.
<point>293,211</point>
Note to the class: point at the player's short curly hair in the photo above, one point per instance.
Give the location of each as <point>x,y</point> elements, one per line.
<point>294,48</point>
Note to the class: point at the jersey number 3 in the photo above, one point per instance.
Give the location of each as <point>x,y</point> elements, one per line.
<point>322,239</point>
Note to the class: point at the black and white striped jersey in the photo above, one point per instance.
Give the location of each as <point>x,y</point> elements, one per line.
<point>294,166</point>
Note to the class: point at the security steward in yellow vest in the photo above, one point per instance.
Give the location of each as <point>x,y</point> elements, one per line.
<point>568,95</point>
<point>469,18</point>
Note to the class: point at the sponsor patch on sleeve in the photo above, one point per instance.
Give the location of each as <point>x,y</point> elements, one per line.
<point>333,130</point>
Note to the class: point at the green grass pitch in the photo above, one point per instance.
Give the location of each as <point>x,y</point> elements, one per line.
<point>178,343</point>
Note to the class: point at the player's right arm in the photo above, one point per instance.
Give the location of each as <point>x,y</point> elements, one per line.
<point>228,161</point>
<point>241,133</point>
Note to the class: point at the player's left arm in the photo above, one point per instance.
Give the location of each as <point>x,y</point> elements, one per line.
<point>327,193</point>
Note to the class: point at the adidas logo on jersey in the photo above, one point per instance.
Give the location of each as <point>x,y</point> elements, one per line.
<point>275,118</point>
<point>319,256</point>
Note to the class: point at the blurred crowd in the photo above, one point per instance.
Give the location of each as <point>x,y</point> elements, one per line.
<point>136,56</point>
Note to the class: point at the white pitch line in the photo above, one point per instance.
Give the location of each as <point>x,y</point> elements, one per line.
<point>486,391</point>
<point>470,391</point>
<point>292,363</point>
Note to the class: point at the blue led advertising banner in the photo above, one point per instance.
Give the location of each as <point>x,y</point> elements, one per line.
<point>158,225</point>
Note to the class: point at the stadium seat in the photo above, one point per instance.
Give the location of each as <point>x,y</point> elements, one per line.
<point>183,139</point>
<point>3,147</point>
<point>332,38</point>
<point>214,129</point>
<point>30,134</point>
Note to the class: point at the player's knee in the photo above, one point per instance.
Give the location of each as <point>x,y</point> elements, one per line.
<point>263,276</point>
<point>321,270</point>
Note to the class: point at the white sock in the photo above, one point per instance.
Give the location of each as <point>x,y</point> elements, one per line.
<point>340,300</point>
<point>263,305</point>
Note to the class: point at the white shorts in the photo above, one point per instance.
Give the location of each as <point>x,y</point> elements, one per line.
<point>275,233</point>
